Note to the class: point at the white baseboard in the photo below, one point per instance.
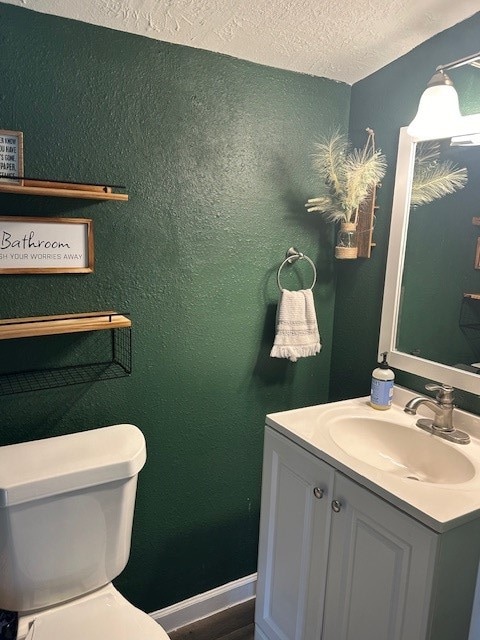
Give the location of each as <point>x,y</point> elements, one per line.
<point>259,635</point>
<point>206,604</point>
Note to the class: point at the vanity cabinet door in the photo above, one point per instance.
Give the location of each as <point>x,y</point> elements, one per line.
<point>293,547</point>
<point>381,565</point>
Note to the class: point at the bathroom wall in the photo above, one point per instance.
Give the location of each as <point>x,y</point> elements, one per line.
<point>386,101</point>
<point>216,157</point>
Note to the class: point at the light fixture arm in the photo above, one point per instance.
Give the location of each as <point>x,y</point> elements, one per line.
<point>459,63</point>
<point>441,78</point>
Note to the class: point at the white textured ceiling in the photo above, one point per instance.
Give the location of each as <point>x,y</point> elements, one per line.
<point>344,40</point>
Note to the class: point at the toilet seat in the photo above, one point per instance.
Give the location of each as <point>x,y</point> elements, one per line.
<point>107,616</point>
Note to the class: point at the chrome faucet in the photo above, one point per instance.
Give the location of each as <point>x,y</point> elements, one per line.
<point>442,407</point>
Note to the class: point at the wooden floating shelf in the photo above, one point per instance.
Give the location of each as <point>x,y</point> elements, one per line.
<point>63,190</point>
<point>56,325</point>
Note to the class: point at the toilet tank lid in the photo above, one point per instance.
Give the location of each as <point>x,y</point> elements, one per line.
<point>42,468</point>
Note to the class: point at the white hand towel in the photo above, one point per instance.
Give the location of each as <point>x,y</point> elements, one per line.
<point>297,331</point>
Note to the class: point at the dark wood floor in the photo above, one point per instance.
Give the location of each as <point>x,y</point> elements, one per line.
<point>235,623</point>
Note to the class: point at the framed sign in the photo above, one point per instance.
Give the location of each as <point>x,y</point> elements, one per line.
<point>46,245</point>
<point>11,156</point>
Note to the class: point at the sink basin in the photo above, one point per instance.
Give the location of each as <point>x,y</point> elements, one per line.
<point>400,450</point>
<point>435,481</point>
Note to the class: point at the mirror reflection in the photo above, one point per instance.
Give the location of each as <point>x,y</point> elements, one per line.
<point>439,314</point>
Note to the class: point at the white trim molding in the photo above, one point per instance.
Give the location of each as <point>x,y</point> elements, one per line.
<point>206,604</point>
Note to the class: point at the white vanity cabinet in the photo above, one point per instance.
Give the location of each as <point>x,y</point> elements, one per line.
<point>337,562</point>
<point>293,546</point>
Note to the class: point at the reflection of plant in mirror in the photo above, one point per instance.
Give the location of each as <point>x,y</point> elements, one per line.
<point>434,178</point>
<point>350,175</point>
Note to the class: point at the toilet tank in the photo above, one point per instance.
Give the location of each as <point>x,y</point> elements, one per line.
<point>66,512</point>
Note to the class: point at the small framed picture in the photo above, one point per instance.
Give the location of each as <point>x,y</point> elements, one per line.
<point>46,245</point>
<point>11,157</point>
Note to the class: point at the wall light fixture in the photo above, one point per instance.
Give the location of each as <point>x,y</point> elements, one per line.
<point>439,108</point>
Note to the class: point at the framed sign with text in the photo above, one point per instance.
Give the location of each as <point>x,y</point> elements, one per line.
<point>46,245</point>
<point>11,156</point>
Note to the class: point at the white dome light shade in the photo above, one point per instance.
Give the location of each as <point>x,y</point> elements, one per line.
<point>437,111</point>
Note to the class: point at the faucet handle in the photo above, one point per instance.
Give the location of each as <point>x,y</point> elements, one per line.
<point>444,392</point>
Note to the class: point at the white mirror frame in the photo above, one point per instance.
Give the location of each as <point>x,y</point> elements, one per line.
<point>429,369</point>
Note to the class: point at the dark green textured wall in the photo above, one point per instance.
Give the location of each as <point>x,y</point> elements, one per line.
<point>386,101</point>
<point>215,154</point>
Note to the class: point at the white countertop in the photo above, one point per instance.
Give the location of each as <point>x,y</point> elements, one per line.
<point>438,505</point>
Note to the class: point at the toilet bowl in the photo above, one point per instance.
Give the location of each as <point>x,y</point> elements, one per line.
<point>66,513</point>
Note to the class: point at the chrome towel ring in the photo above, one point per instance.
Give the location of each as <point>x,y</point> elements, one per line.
<point>292,256</point>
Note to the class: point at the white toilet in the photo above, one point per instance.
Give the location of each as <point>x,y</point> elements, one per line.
<point>66,512</point>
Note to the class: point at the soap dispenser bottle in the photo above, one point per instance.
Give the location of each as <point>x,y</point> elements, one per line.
<point>382,385</point>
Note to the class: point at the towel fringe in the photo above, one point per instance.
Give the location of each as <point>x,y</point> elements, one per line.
<point>294,353</point>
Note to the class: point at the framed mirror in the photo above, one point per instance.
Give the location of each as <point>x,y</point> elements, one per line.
<point>431,306</point>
